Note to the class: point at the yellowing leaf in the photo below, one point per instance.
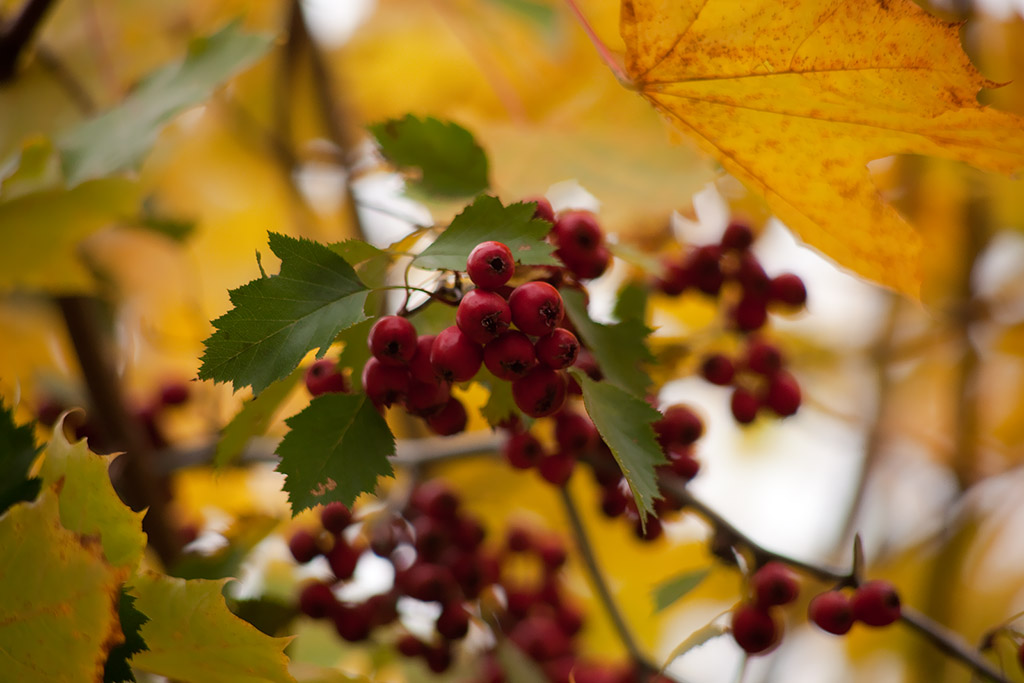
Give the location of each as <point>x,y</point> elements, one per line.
<point>194,638</point>
<point>795,98</point>
<point>59,598</point>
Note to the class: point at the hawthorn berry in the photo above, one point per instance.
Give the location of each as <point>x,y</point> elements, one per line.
<point>426,399</point>
<point>540,392</point>
<point>744,405</point>
<point>737,237</point>
<point>537,308</point>
<point>679,426</point>
<point>783,395</point>
<point>317,600</point>
<point>754,628</point>
<point>574,432</point>
<point>420,368</point>
<point>353,622</point>
<point>523,450</point>
<point>510,356</point>
<point>718,369</point>
<point>343,558</point>
<point>385,384</point>
<point>335,517</point>
<point>876,603</point>
<point>543,210</point>
<point>174,393</point>
<point>577,231</point>
<point>750,313</point>
<point>557,467</point>
<point>774,584</point>
<point>392,340</point>
<point>490,265</point>
<point>682,463</point>
<point>763,358</point>
<point>450,420</point>
<point>558,349</point>
<point>303,546</point>
<point>832,612</point>
<point>675,277</point>
<point>751,276</point>
<point>788,289</point>
<point>453,622</point>
<point>483,316</point>
<point>455,357</point>
<point>434,499</point>
<point>705,269</point>
<point>586,265</point>
<point>322,377</point>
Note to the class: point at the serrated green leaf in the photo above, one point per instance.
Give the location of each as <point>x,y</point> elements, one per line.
<point>631,303</point>
<point>88,503</point>
<point>620,349</point>
<point>674,589</point>
<point>18,451</point>
<point>59,597</point>
<point>485,220</point>
<point>450,161</point>
<point>624,423</point>
<point>117,669</point>
<point>253,419</point>
<point>370,262</point>
<point>356,351</point>
<point>194,638</point>
<point>336,449</point>
<point>119,138</point>
<point>277,320</point>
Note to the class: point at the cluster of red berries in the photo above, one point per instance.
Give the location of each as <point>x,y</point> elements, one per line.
<point>755,623</point>
<point>709,268</point>
<point>759,380</point>
<point>579,240</point>
<point>874,603</point>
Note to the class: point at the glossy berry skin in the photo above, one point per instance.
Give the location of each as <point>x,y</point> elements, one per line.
<point>744,405</point>
<point>586,265</point>
<point>537,308</point>
<point>392,340</point>
<point>322,377</point>
<point>774,584</point>
<point>510,356</point>
<point>682,463</point>
<point>578,231</point>
<point>420,368</point>
<point>490,265</point>
<point>335,517</point>
<point>385,384</point>
<point>831,612</point>
<point>718,369</point>
<point>876,603</point>
<point>788,289</point>
<point>558,349</point>
<point>754,629</point>
<point>523,450</point>
<point>455,357</point>
<point>540,392</point>
<point>450,420</point>
<point>783,396</point>
<point>483,316</point>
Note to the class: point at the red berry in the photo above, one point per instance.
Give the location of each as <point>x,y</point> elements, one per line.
<point>426,582</point>
<point>540,392</point>
<point>420,368</point>
<point>754,629</point>
<point>518,539</point>
<point>536,308</point>
<point>788,289</point>
<point>322,377</point>
<point>490,265</point>
<point>451,419</point>
<point>174,393</point>
<point>544,210</point>
<point>551,552</point>
<point>427,399</point>
<point>751,276</point>
<point>751,313</point>
<point>718,369</point>
<point>483,315</point>
<point>574,432</point>
<point>675,277</point>
<point>510,356</point>
<point>586,265</point>
<point>353,622</point>
<point>410,646</point>
<point>831,612</point>
<point>763,358</point>
<point>392,340</point>
<point>577,231</point>
<point>343,559</point>
<point>335,517</point>
<point>679,426</point>
<point>783,395</point>
<point>385,384</point>
<point>613,500</point>
<point>774,584</point>
<point>744,405</point>
<point>557,467</point>
<point>876,603</point>
<point>737,237</point>
<point>705,269</point>
<point>453,623</point>
<point>303,546</point>
<point>455,357</point>
<point>558,349</point>
<point>523,451</point>
<point>682,463</point>
<point>434,499</point>
<point>317,600</point>
<point>650,531</point>
<point>438,657</point>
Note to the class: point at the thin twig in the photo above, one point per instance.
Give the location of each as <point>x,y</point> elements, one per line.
<point>17,34</point>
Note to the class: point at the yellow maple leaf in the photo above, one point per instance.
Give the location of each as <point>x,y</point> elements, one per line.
<point>795,97</point>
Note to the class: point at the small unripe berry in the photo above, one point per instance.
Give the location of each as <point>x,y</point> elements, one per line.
<point>537,308</point>
<point>788,289</point>
<point>774,584</point>
<point>718,369</point>
<point>455,357</point>
<point>540,392</point>
<point>490,265</point>
<point>483,316</point>
<point>510,356</point>
<point>322,377</point>
<point>392,340</point>
<point>558,349</point>
<point>754,629</point>
<point>831,612</point>
<point>876,603</point>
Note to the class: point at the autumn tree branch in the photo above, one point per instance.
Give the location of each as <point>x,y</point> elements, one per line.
<point>17,33</point>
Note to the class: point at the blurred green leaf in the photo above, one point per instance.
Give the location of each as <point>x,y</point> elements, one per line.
<point>668,592</point>
<point>253,419</point>
<point>18,451</point>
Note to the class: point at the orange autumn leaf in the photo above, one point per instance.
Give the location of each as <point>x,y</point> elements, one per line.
<point>795,97</point>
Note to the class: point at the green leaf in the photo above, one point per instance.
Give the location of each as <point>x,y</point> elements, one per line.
<point>356,351</point>
<point>117,670</point>
<point>18,451</point>
<point>632,303</point>
<point>119,138</point>
<point>624,423</point>
<point>485,220</point>
<point>253,419</point>
<point>336,449</point>
<point>88,503</point>
<point>370,262</point>
<point>450,161</point>
<point>277,320</point>
<point>193,637</point>
<point>619,349</point>
<point>36,168</point>
<point>59,597</point>
<point>668,592</point>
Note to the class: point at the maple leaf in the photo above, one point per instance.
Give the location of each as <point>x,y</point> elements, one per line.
<point>795,97</point>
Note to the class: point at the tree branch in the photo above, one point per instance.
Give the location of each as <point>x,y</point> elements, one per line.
<point>18,33</point>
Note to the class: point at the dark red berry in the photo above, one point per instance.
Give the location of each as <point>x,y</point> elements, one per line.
<point>774,584</point>
<point>744,405</point>
<point>876,603</point>
<point>483,315</point>
<point>751,276</point>
<point>831,612</point>
<point>675,277</point>
<point>613,500</point>
<point>427,399</point>
<point>523,450</point>
<point>438,657</point>
<point>544,210</point>
<point>335,517</point>
<point>557,467</point>
<point>577,231</point>
<point>383,608</point>
<point>551,552</point>
<point>1020,655</point>
<point>323,377</point>
<point>737,237</point>
<point>353,622</point>
<point>385,384</point>
<point>510,356</point>
<point>536,308</point>
<point>705,269</point>
<point>574,432</point>
<point>682,463</point>
<point>750,313</point>
<point>426,582</point>
<point>453,623</point>
<point>303,546</point>
<point>343,559</point>
<point>490,265</point>
<point>649,531</point>
<point>586,265</point>
<point>518,539</point>
<point>788,289</point>
<point>540,392</point>
<point>679,426</point>
<point>783,395</point>
<point>754,629</point>
<point>420,368</point>
<point>392,340</point>
<point>450,420</point>
<point>174,393</point>
<point>558,349</point>
<point>455,357</point>
<point>468,533</point>
<point>718,369</point>
<point>317,600</point>
<point>763,358</point>
<point>435,499</point>
<point>410,646</point>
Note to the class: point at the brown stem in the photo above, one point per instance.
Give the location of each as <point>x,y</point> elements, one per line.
<point>142,486</point>
<point>18,33</point>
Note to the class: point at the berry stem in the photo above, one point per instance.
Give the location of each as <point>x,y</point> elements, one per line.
<point>606,55</point>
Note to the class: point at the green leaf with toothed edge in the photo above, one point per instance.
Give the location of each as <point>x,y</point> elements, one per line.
<point>337,448</point>
<point>117,669</point>
<point>18,451</point>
